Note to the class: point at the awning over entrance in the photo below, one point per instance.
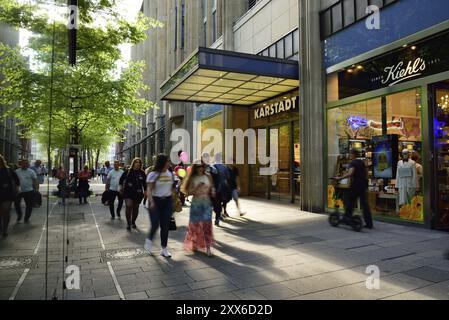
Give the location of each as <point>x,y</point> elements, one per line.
<point>224,77</point>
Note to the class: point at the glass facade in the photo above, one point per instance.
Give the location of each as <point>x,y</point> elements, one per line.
<point>380,129</point>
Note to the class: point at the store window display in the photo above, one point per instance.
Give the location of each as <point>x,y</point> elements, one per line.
<point>380,130</point>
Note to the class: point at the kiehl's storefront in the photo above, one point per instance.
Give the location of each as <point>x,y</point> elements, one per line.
<point>390,106</point>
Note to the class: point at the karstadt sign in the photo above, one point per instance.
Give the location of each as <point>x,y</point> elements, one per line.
<point>284,105</point>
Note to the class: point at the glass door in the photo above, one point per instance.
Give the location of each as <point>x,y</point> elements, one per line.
<point>280,184</point>
<point>440,104</point>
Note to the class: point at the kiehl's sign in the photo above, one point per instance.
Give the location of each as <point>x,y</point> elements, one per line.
<point>281,106</point>
<point>415,61</point>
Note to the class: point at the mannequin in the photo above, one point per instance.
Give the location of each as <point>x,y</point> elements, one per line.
<point>406,179</point>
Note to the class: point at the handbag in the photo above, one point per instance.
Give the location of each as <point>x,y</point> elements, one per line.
<point>173,226</point>
<point>37,199</point>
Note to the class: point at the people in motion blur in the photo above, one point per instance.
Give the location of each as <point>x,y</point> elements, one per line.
<point>234,184</point>
<point>358,173</point>
<point>107,170</point>
<point>132,185</point>
<point>199,184</point>
<point>160,186</point>
<point>63,191</point>
<point>113,186</point>
<point>28,185</point>
<point>40,171</point>
<point>9,184</point>
<point>83,185</point>
<point>222,185</point>
<point>181,173</point>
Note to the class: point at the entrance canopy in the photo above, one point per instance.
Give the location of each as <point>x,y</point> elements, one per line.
<point>224,77</point>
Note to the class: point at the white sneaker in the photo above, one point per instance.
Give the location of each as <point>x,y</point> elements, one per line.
<point>148,246</point>
<point>165,253</point>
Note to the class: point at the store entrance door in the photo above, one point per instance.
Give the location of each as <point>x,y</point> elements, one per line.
<point>439,103</point>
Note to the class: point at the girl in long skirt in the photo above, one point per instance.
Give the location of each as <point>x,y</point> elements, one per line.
<point>199,233</point>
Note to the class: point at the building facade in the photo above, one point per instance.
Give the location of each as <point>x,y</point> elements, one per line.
<point>373,77</point>
<point>385,93</point>
<point>12,146</point>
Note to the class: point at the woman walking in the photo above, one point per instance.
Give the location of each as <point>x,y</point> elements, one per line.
<point>160,186</point>
<point>83,185</point>
<point>132,185</point>
<point>8,191</point>
<point>199,184</point>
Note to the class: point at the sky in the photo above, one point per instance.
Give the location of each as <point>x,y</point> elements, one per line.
<point>129,8</point>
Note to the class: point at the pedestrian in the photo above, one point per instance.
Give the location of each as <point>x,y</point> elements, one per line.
<point>63,191</point>
<point>224,191</point>
<point>8,192</point>
<point>132,185</point>
<point>28,185</point>
<point>180,168</point>
<point>113,186</point>
<point>199,184</point>
<point>40,171</point>
<point>83,185</point>
<point>160,187</point>
<point>107,169</point>
<point>234,183</point>
<point>212,172</point>
<point>358,173</point>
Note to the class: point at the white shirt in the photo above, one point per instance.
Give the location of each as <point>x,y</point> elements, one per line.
<point>164,184</point>
<point>26,178</point>
<point>114,179</point>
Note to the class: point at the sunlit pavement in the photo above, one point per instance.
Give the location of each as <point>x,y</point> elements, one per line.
<point>274,252</point>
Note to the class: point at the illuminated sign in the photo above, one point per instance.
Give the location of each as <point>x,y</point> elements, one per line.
<point>278,107</point>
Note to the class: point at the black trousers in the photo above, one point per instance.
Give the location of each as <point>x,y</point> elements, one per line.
<point>351,200</point>
<point>114,195</point>
<point>28,197</point>
<point>160,217</point>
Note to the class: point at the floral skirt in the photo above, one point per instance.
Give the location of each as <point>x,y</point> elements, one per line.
<point>199,232</point>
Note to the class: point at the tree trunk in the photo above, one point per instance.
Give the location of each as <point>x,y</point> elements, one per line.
<point>97,159</point>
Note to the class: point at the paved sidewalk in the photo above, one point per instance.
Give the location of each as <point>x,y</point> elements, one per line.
<point>274,252</point>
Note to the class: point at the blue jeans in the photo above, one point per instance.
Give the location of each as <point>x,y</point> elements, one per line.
<point>160,217</point>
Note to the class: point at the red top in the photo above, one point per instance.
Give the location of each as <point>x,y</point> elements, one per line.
<point>84,175</point>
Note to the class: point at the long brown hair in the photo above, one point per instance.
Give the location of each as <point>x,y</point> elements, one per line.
<point>3,163</point>
<point>134,161</point>
<point>193,173</point>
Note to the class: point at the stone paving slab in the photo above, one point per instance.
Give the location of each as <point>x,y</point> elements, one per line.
<point>274,252</point>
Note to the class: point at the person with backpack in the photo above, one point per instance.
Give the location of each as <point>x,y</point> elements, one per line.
<point>160,187</point>
<point>133,188</point>
<point>8,191</point>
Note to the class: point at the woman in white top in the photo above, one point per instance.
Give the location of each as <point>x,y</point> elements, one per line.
<point>199,184</point>
<point>160,184</point>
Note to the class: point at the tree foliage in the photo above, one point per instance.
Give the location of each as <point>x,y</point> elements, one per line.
<point>92,102</point>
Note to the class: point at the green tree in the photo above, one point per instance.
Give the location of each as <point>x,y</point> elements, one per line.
<point>92,102</point>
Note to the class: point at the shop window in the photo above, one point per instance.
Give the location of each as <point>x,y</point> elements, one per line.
<point>288,45</point>
<point>280,49</point>
<point>380,130</point>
